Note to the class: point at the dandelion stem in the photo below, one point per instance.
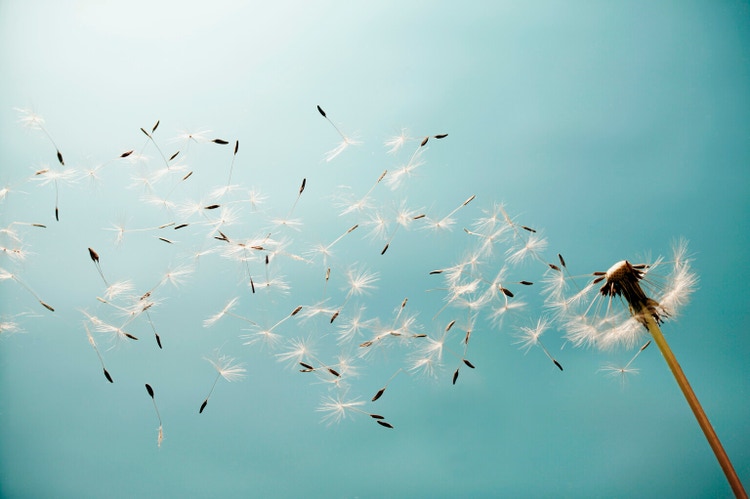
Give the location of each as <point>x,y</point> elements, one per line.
<point>695,406</point>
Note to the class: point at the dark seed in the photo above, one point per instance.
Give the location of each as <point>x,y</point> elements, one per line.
<point>150,390</point>
<point>379,394</point>
<point>106,375</point>
<point>384,423</point>
<point>220,142</point>
<point>203,406</point>
<point>323,113</point>
<point>468,363</point>
<point>126,154</point>
<point>557,364</point>
<point>60,158</point>
<point>424,141</point>
<point>94,255</point>
<point>455,376</point>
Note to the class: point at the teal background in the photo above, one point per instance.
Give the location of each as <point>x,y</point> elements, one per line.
<point>614,126</point>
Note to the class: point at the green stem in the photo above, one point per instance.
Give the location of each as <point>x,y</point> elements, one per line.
<point>694,404</point>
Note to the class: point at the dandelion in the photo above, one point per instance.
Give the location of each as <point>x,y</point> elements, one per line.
<point>225,368</point>
<point>338,408</point>
<point>624,371</point>
<point>160,434</point>
<point>394,144</point>
<point>33,121</point>
<point>529,337</point>
<point>645,302</point>
<point>99,355</point>
<point>4,274</point>
<point>346,141</point>
<point>49,175</point>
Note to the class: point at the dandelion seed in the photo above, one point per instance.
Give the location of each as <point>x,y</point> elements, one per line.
<point>345,140</point>
<point>531,336</point>
<point>4,274</point>
<point>225,368</point>
<point>98,354</point>
<point>160,436</point>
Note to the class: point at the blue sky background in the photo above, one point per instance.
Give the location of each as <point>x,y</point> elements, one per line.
<point>616,127</point>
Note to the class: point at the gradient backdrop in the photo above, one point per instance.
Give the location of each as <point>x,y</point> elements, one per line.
<point>615,127</point>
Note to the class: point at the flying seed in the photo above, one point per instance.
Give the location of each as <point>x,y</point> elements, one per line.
<point>525,283</point>
<point>106,375</point>
<point>302,187</point>
<point>376,416</point>
<point>383,423</point>
<point>39,225</point>
<point>220,142</point>
<point>57,214</point>
<point>554,267</point>
<point>252,285</point>
<point>60,158</point>
<point>129,335</point>
<point>48,307</point>
<point>147,134</point>
<point>562,260</point>
<point>165,240</point>
<point>506,292</point>
<point>468,363</point>
<point>150,390</point>
<point>528,228</point>
<point>174,156</point>
<point>449,326</point>
<point>211,206</point>
<point>203,406</point>
<point>155,126</point>
<point>557,364</point>
<point>236,146</point>
<point>187,176</point>
<point>379,394</point>
<point>296,310</point>
<point>469,200</point>
<point>323,113</point>
<point>384,249</point>
<point>333,317</point>
<point>424,141</point>
<point>441,136</point>
<point>94,255</point>
<point>420,216</point>
<point>334,372</point>
<point>181,226</point>
<point>126,154</point>
<point>307,366</point>
<point>455,376</point>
